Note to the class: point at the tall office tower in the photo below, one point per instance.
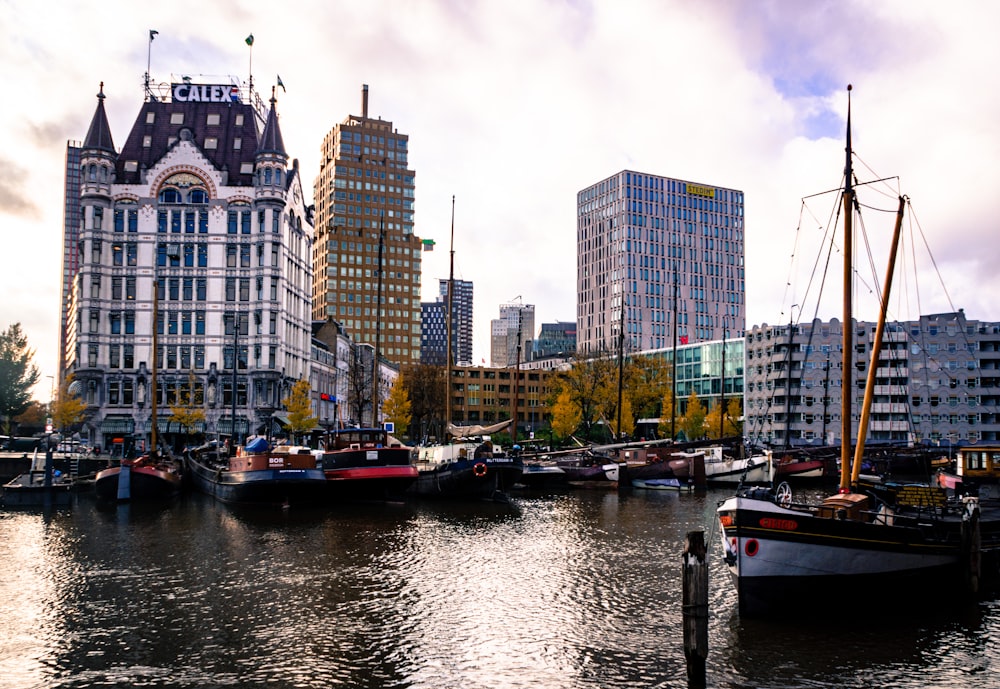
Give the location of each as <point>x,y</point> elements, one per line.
<point>434,327</point>
<point>515,326</point>
<point>71,239</point>
<point>672,249</point>
<point>364,219</point>
<point>202,206</point>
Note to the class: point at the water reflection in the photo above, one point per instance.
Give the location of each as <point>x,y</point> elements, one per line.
<point>570,590</point>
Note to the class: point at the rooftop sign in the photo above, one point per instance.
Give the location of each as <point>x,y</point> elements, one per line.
<point>205,93</point>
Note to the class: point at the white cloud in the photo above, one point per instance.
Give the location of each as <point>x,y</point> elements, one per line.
<point>514,107</point>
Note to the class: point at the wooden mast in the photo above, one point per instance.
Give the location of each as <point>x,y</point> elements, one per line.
<point>877,346</point>
<point>847,342</point>
<point>447,358</point>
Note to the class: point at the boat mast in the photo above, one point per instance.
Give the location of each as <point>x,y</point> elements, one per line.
<point>877,345</point>
<point>447,357</point>
<point>621,359</point>
<point>673,373</point>
<point>848,327</point>
<point>378,324</point>
<point>152,377</point>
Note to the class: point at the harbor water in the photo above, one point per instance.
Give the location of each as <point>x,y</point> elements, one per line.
<point>571,590</point>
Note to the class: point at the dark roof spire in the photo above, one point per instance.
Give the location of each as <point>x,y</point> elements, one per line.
<point>270,140</point>
<point>99,134</point>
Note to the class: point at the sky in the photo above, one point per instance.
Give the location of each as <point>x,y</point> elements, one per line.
<point>513,107</point>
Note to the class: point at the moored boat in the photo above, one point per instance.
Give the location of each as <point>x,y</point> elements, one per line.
<point>671,484</point>
<point>366,464</point>
<point>41,486</point>
<point>144,478</point>
<point>258,474</point>
<point>895,539</point>
<point>470,467</point>
<point>722,468</point>
<point>975,471</point>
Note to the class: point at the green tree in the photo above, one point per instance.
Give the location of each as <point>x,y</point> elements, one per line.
<point>694,419</point>
<point>299,407</point>
<point>17,374</point>
<point>647,379</point>
<point>397,405</point>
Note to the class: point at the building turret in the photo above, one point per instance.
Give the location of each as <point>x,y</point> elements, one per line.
<point>98,156</point>
<point>271,168</point>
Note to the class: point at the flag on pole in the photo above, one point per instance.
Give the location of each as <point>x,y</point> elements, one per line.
<point>281,84</point>
<point>428,244</point>
<point>152,34</point>
<point>250,40</point>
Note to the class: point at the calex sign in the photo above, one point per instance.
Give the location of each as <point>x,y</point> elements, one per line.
<point>205,93</point>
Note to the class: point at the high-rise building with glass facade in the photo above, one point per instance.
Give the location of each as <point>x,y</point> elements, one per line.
<point>365,251</point>
<point>661,258</point>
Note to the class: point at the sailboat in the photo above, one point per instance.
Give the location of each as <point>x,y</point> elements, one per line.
<point>874,538</point>
<point>469,466</point>
<point>152,476</point>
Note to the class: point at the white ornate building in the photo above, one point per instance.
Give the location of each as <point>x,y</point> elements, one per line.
<point>201,200</point>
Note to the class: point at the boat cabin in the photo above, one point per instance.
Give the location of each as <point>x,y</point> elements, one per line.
<point>981,463</point>
<point>358,439</point>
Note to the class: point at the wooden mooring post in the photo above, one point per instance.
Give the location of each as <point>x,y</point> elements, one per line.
<point>695,607</point>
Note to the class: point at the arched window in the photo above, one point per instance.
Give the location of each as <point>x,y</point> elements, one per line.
<point>197,196</point>
<point>170,196</point>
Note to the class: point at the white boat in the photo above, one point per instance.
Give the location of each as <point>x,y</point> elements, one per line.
<point>721,468</point>
<point>888,540</point>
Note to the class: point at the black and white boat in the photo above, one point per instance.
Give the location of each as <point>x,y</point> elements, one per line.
<point>870,538</point>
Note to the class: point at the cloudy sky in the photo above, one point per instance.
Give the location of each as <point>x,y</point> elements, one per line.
<point>514,106</point>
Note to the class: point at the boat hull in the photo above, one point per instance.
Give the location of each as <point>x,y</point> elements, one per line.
<point>780,557</point>
<point>145,483</point>
<point>277,486</point>
<point>735,471</point>
<point>368,473</point>
<point>488,478</point>
<point>671,484</point>
<point>29,490</point>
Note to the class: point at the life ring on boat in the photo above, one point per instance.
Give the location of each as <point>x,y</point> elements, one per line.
<point>479,469</point>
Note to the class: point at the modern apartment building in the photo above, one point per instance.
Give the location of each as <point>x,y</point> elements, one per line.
<point>196,229</point>
<point>434,326</point>
<point>514,328</point>
<point>366,253</point>
<point>937,379</point>
<point>655,255</point>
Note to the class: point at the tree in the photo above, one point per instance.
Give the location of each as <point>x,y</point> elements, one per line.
<point>592,386</point>
<point>188,413</point>
<point>359,384</point>
<point>299,406</point>
<point>67,407</point>
<point>397,405</point>
<point>668,422</point>
<point>17,374</point>
<point>647,379</point>
<point>694,419</point>
<point>32,419</point>
<point>425,388</point>
<point>565,415</point>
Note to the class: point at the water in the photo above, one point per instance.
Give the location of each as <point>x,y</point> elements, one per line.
<point>576,590</point>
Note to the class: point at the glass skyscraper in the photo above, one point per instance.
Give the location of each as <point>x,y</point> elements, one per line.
<point>662,259</point>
